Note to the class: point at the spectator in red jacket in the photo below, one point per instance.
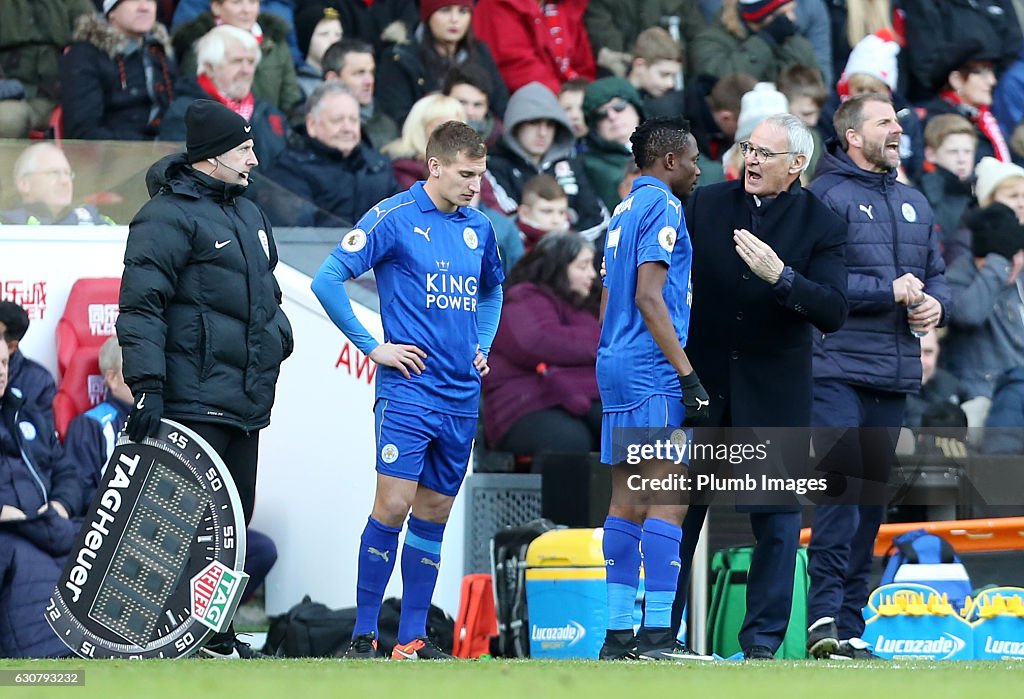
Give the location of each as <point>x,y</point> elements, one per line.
<point>541,394</point>
<point>535,41</point>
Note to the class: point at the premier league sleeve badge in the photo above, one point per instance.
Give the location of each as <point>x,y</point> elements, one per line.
<point>157,565</point>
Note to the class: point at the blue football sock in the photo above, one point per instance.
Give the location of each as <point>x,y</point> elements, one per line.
<point>660,545</point>
<point>378,548</point>
<point>622,564</point>
<point>421,562</point>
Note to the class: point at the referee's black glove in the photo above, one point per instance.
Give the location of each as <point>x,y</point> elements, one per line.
<point>695,400</point>
<point>144,419</point>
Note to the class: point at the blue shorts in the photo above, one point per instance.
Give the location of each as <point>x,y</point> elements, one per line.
<point>425,446</point>
<point>651,420</point>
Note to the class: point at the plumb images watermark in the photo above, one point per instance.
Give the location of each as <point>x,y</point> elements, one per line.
<point>28,678</point>
<point>712,483</point>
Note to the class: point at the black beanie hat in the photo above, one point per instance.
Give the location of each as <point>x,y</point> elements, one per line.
<point>212,129</point>
<point>306,21</point>
<point>995,229</point>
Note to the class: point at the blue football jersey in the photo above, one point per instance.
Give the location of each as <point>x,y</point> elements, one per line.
<point>647,226</point>
<point>430,267</point>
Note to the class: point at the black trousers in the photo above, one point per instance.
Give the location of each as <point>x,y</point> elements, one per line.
<point>554,430</point>
<point>239,450</point>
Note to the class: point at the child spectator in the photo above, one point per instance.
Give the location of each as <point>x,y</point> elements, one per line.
<point>656,72</point>
<point>571,99</point>
<point>805,91</point>
<point>713,109</point>
<point>544,209</point>
<point>317,28</point>
<point>948,179</point>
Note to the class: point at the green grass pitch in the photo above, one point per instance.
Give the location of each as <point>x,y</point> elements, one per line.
<point>312,679</point>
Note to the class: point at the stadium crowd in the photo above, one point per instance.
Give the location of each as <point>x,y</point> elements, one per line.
<point>343,95</point>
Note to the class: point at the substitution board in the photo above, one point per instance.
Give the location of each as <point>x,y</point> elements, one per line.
<point>157,565</point>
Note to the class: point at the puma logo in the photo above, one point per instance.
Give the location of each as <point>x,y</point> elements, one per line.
<point>436,564</point>
<point>142,401</point>
<point>377,552</point>
<point>247,129</point>
<point>702,403</point>
<point>221,243</point>
<point>377,210</point>
<point>867,210</point>
<point>674,205</point>
<point>420,231</point>
<point>677,564</point>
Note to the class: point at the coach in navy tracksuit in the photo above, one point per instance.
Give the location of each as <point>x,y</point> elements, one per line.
<point>863,372</point>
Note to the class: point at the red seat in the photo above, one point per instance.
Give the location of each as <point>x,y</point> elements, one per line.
<point>88,321</point>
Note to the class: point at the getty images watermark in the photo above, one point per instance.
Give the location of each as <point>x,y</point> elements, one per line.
<point>751,466</point>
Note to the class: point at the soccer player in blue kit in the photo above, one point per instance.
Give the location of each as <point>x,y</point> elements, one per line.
<point>439,280</point>
<point>647,384</point>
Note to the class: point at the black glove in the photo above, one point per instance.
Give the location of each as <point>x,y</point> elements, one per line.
<point>780,28</point>
<point>695,400</point>
<point>144,420</point>
<point>994,229</point>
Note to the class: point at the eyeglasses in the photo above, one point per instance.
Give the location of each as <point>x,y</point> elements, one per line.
<point>70,174</point>
<point>760,153</point>
<point>618,106</point>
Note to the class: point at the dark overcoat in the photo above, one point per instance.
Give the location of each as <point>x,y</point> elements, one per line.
<point>750,342</point>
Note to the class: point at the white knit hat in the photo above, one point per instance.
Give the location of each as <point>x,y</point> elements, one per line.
<point>756,106</point>
<point>874,55</point>
<point>109,5</point>
<point>991,173</point>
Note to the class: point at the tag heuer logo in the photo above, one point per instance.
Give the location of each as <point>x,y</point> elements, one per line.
<point>215,594</point>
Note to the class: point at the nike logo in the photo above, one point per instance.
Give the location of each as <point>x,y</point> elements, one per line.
<point>407,656</point>
<point>247,129</point>
<point>867,210</point>
<point>436,564</point>
<point>377,552</point>
<point>420,231</point>
<point>142,401</point>
<point>221,243</point>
